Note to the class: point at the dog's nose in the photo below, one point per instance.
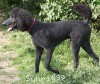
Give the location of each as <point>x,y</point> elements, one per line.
<point>3,23</point>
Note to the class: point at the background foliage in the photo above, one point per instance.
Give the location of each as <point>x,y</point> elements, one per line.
<point>57,10</point>
<point>53,10</point>
<point>62,10</point>
<point>50,11</point>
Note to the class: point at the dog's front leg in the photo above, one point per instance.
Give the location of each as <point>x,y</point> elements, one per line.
<point>39,52</point>
<point>48,60</point>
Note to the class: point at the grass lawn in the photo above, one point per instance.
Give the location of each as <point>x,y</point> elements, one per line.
<point>87,72</point>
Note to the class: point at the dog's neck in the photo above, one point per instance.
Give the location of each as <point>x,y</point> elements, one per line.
<point>33,22</point>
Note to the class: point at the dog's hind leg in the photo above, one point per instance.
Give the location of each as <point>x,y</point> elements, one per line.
<point>75,50</point>
<point>48,60</point>
<point>39,52</point>
<point>87,47</point>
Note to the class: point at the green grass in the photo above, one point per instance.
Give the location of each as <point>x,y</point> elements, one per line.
<point>87,73</point>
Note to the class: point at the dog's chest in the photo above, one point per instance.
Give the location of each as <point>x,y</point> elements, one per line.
<point>40,40</point>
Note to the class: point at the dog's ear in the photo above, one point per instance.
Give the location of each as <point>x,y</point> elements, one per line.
<point>20,24</point>
<point>26,17</point>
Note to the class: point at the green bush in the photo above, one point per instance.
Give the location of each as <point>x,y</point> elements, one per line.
<point>57,10</point>
<point>31,5</point>
<point>95,6</point>
<point>53,10</point>
<point>3,5</point>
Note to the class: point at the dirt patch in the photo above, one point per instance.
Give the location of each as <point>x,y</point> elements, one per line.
<point>5,63</point>
<point>9,79</point>
<point>8,53</point>
<point>8,71</point>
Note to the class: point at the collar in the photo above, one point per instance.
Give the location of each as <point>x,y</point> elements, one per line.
<point>32,25</point>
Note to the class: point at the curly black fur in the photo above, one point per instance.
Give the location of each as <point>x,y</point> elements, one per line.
<point>23,17</point>
<point>84,10</point>
<point>49,35</point>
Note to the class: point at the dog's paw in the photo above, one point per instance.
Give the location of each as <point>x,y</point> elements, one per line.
<point>96,63</point>
<point>53,70</point>
<point>57,72</point>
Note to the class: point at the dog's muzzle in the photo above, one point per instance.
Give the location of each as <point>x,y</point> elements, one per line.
<point>9,21</point>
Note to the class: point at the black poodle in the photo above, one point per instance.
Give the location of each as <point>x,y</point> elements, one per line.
<point>49,35</point>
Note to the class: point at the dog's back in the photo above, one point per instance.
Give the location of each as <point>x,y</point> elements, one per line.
<point>59,31</point>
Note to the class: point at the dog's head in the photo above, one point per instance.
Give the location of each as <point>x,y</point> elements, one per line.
<point>19,19</point>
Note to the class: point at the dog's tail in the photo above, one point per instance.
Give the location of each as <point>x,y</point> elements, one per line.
<point>84,10</point>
